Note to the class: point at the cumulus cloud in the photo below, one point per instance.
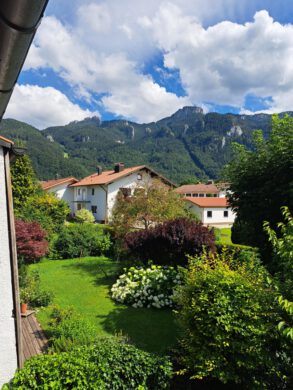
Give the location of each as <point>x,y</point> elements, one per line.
<point>103,50</point>
<point>225,62</point>
<point>129,92</point>
<point>43,107</point>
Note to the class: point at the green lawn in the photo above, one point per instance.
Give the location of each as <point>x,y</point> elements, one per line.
<point>224,236</point>
<point>85,283</point>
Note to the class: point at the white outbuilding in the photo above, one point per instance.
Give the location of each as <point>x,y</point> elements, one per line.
<point>211,211</point>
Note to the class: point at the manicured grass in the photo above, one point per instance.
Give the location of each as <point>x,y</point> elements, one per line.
<point>224,236</point>
<point>85,284</point>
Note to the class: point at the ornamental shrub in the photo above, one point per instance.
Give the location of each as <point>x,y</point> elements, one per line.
<point>151,287</point>
<point>108,365</point>
<point>79,240</point>
<point>67,330</point>
<point>228,314</point>
<point>170,242</point>
<point>84,216</point>
<point>31,241</point>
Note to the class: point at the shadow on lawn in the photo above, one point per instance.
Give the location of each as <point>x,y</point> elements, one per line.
<point>149,329</point>
<point>104,272</point>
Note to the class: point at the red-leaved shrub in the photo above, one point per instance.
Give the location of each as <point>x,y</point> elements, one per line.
<point>170,242</point>
<point>31,241</point>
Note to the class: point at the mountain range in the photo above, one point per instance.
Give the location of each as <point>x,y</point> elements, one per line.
<point>188,144</point>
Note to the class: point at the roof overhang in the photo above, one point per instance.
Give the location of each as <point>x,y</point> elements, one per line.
<point>19,20</point>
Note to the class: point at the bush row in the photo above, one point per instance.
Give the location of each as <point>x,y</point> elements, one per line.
<point>109,364</point>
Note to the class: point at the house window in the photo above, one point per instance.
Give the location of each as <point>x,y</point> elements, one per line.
<point>78,206</point>
<point>195,195</point>
<point>209,214</point>
<point>126,192</point>
<point>201,195</point>
<point>187,194</point>
<point>94,209</point>
<point>93,191</point>
<point>226,213</point>
<point>78,191</point>
<point>139,177</point>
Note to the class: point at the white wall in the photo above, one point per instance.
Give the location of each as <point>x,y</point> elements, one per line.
<point>64,192</point>
<point>8,354</point>
<point>130,181</point>
<point>217,218</point>
<point>99,200</point>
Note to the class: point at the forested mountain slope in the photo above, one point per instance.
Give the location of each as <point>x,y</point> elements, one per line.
<point>189,143</point>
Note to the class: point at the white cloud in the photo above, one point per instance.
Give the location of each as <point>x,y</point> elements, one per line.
<point>129,93</point>
<point>104,49</point>
<point>227,61</point>
<point>43,107</point>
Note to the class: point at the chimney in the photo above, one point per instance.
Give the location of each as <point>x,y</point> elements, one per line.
<point>99,170</point>
<point>118,167</point>
<point>210,182</point>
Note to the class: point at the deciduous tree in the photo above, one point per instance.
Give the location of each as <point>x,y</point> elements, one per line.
<point>261,183</point>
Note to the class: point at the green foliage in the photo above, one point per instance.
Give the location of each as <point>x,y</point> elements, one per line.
<point>153,203</point>
<point>24,183</point>
<point>150,287</point>
<point>77,240</point>
<point>283,251</point>
<point>110,364</point>
<point>261,182</point>
<point>84,216</point>
<point>68,330</point>
<point>32,293</point>
<point>46,209</point>
<point>283,260</point>
<point>228,313</point>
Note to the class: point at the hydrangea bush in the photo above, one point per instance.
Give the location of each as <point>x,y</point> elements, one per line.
<point>150,287</point>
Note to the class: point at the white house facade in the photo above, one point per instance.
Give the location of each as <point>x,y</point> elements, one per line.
<point>211,211</point>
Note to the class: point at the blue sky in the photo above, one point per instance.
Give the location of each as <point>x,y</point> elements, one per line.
<point>143,60</point>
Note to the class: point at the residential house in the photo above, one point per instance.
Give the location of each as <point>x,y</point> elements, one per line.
<point>202,190</point>
<point>211,211</point>
<point>60,187</point>
<point>98,191</point>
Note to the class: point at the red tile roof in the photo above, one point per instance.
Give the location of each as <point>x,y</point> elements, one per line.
<point>108,177</point>
<point>53,183</point>
<point>198,188</point>
<point>208,201</point>
<point>6,140</point>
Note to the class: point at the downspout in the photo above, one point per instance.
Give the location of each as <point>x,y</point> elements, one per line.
<point>19,20</point>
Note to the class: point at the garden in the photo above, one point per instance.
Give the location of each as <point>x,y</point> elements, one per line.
<point>173,305</point>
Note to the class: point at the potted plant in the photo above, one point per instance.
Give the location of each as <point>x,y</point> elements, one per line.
<point>24,299</point>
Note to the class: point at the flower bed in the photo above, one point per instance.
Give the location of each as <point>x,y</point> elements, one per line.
<point>150,287</point>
